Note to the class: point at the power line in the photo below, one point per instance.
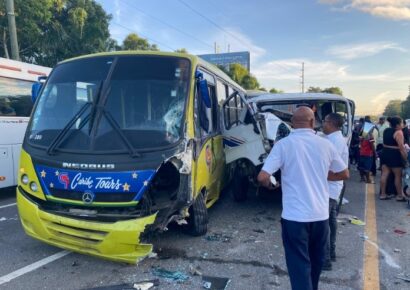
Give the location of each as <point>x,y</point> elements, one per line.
<point>215,24</point>
<point>169,25</point>
<point>150,39</point>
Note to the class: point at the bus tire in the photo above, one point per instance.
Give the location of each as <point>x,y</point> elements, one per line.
<point>198,217</point>
<point>240,186</point>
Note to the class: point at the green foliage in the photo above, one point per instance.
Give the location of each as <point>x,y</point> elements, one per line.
<point>393,108</point>
<point>331,90</point>
<point>49,31</point>
<point>240,74</point>
<point>134,42</point>
<point>275,91</point>
<point>181,50</point>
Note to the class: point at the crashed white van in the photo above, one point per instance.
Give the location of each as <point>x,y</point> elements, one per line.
<point>253,123</point>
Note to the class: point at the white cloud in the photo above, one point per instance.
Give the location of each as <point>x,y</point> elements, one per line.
<point>117,10</point>
<point>352,51</point>
<point>390,9</point>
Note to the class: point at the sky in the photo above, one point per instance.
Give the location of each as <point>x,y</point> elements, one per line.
<point>361,46</point>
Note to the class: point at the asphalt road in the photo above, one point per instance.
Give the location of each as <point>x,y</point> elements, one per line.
<point>243,244</point>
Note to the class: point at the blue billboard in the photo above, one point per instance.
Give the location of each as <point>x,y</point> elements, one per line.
<point>225,59</point>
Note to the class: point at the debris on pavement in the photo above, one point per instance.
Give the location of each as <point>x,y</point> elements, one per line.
<point>215,283</point>
<point>364,237</point>
<point>357,221</point>
<point>397,250</point>
<point>194,271</point>
<point>345,201</point>
<point>218,237</point>
<point>259,231</point>
<point>170,275</point>
<point>145,285</point>
<point>74,264</point>
<point>152,255</point>
<point>403,277</point>
<point>2,219</point>
<point>400,232</point>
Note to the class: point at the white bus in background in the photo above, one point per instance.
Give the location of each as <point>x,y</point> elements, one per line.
<point>16,79</point>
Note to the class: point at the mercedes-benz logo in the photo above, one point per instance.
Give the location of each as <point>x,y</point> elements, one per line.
<point>88,197</point>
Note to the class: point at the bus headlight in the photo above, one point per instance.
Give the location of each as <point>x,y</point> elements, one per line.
<point>33,186</point>
<point>24,179</point>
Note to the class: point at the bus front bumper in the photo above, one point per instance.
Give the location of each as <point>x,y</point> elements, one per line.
<point>117,241</point>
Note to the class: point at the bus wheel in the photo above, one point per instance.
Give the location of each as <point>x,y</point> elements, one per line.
<point>198,217</point>
<point>240,186</point>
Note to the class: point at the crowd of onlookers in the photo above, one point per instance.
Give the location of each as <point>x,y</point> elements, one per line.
<point>383,146</point>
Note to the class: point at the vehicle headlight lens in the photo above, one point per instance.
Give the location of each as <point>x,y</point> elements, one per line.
<point>33,186</point>
<point>24,179</point>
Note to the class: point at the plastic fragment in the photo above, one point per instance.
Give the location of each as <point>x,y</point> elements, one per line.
<point>215,283</point>
<point>171,275</point>
<point>357,222</point>
<point>400,232</point>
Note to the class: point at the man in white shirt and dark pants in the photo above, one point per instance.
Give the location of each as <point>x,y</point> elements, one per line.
<point>332,128</point>
<point>306,162</point>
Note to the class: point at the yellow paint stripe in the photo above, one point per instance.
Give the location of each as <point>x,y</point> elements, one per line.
<point>371,252</point>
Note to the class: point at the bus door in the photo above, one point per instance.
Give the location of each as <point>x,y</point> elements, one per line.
<point>211,158</point>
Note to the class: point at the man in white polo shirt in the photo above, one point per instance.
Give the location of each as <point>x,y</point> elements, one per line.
<point>306,162</point>
<point>332,128</point>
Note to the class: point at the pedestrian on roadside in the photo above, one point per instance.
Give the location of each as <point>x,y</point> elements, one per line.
<point>381,126</point>
<point>305,171</point>
<point>367,153</point>
<point>393,157</point>
<point>332,128</point>
<point>375,134</point>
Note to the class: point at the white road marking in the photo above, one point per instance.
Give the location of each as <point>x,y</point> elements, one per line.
<point>32,267</point>
<point>7,205</point>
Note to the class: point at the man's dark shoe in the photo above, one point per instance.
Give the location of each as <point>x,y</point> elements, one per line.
<point>327,266</point>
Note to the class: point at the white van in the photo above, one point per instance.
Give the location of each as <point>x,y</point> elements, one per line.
<point>252,124</point>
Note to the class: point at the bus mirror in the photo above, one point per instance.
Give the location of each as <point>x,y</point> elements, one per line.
<point>35,90</point>
<point>204,93</point>
<point>36,87</point>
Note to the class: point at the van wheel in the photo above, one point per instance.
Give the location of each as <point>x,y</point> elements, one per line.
<point>240,186</point>
<point>198,217</point>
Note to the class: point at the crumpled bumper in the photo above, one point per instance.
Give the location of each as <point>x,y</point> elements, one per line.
<point>117,241</point>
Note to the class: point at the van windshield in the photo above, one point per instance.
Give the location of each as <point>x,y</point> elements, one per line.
<point>106,104</point>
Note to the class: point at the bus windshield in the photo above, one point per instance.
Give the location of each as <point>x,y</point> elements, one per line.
<point>15,97</point>
<point>107,104</point>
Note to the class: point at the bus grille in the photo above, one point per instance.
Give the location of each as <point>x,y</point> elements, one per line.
<point>99,196</point>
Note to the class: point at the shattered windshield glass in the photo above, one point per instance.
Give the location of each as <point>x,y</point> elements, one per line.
<point>141,103</point>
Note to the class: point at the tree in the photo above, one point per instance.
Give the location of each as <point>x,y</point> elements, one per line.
<point>275,91</point>
<point>393,108</point>
<point>404,108</point>
<point>181,50</point>
<point>53,30</point>
<point>314,90</point>
<point>134,42</point>
<point>331,90</point>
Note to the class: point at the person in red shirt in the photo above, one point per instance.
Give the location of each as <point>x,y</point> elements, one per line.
<point>367,152</point>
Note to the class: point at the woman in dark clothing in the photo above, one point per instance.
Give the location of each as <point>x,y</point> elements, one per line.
<point>393,157</point>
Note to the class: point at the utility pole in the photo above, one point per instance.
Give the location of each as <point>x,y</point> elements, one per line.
<point>303,77</point>
<point>12,30</point>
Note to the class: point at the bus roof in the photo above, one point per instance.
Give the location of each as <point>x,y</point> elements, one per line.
<point>195,60</point>
<point>14,69</point>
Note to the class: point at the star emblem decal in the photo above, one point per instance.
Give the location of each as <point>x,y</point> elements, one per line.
<point>146,183</point>
<point>126,187</point>
<point>57,173</point>
<point>134,175</point>
<point>43,174</point>
<point>51,185</point>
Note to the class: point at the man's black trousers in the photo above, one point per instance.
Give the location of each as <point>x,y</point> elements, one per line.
<point>305,249</point>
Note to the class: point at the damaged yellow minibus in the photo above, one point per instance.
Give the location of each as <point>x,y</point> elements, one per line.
<point>120,144</point>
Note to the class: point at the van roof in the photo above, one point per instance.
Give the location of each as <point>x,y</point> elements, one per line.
<point>263,97</point>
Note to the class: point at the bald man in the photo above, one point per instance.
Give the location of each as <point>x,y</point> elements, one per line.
<point>307,162</point>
